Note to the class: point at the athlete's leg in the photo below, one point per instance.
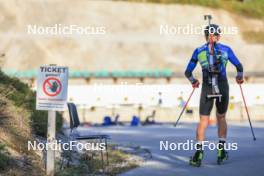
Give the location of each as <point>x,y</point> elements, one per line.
<point>206,105</point>
<point>222,126</point>
<point>222,154</point>
<point>221,109</point>
<point>197,158</point>
<point>201,128</point>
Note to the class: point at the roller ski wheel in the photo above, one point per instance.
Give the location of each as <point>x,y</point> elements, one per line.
<point>222,156</point>
<point>196,160</point>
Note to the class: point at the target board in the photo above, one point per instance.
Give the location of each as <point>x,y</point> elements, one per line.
<point>52,88</point>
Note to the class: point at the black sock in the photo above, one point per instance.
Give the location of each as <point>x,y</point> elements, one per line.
<point>199,147</point>
<point>221,144</point>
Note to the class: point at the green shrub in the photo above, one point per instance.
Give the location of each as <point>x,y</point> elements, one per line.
<point>4,159</point>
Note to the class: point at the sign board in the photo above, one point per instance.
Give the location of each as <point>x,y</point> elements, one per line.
<point>52,88</point>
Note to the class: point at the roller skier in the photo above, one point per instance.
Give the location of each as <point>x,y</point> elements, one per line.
<point>213,58</point>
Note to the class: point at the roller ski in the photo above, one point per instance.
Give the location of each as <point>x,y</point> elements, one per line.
<point>196,160</point>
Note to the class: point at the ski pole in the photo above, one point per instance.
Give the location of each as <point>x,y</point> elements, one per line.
<point>184,107</point>
<point>254,138</point>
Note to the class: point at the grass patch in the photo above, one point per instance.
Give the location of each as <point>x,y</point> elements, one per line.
<point>249,8</point>
<point>21,96</point>
<point>15,132</point>
<point>91,164</point>
<point>254,37</point>
<point>117,158</point>
<point>19,120</point>
<point>74,171</point>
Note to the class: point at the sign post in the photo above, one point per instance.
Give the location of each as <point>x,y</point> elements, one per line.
<point>50,165</point>
<point>52,89</point>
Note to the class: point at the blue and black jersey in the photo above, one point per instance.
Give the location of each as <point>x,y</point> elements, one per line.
<point>222,52</point>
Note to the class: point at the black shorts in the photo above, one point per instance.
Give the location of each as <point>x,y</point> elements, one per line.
<point>206,104</point>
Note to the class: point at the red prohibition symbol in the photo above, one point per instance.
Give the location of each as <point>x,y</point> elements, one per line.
<point>52,87</point>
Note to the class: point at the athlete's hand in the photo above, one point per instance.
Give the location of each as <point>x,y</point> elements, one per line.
<point>239,80</point>
<point>195,84</point>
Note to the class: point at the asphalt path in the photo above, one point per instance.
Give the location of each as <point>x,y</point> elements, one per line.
<point>247,160</point>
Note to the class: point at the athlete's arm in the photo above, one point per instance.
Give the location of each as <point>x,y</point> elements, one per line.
<point>191,66</point>
<point>234,60</point>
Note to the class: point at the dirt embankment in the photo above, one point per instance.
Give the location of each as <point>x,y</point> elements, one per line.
<point>132,40</point>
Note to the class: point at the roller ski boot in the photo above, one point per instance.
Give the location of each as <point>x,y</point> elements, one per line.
<point>196,160</point>
<point>222,155</point>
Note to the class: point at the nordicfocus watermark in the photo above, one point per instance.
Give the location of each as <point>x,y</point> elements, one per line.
<point>125,87</point>
<point>71,145</point>
<point>60,29</point>
<point>190,29</point>
<point>191,145</point>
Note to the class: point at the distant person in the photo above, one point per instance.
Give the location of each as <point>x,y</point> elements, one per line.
<point>150,120</point>
<point>160,99</point>
<point>181,102</point>
<point>108,121</point>
<point>213,58</point>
